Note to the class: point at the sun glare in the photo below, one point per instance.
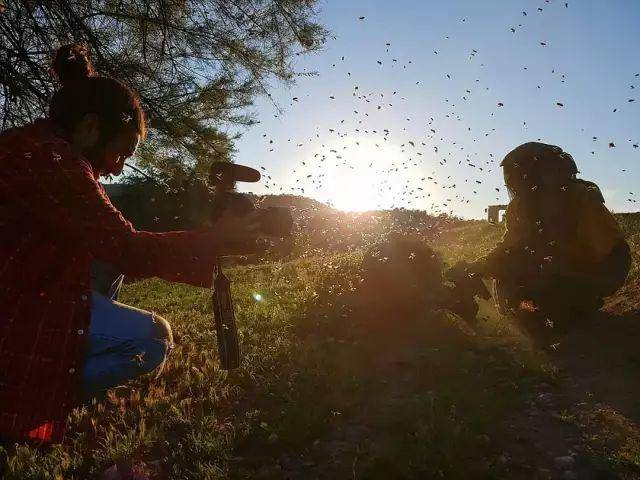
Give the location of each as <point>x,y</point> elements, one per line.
<point>360,174</point>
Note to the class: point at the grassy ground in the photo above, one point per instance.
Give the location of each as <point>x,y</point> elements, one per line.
<point>328,389</point>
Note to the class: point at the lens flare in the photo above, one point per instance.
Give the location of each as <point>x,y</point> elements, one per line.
<point>257,297</point>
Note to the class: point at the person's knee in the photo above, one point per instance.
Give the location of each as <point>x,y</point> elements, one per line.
<point>162,330</point>
<point>154,355</point>
<point>160,345</point>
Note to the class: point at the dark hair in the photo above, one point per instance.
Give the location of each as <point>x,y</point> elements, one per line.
<point>83,91</point>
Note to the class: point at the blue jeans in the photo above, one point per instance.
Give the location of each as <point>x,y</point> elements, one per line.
<point>124,342</point>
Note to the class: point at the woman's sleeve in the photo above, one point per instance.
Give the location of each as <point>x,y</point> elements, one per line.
<point>71,205</point>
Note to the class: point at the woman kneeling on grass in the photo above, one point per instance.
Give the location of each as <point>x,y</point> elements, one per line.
<point>61,343</point>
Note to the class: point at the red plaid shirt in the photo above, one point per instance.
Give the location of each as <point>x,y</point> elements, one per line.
<point>55,218</point>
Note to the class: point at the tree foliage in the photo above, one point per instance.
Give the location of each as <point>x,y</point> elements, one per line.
<point>196,64</point>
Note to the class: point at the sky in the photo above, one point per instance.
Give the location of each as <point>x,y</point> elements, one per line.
<point>465,89</point>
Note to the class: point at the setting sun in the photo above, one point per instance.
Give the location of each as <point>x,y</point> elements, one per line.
<point>357,173</point>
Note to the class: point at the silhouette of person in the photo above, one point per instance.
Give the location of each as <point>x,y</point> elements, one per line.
<point>562,251</point>
<point>63,340</point>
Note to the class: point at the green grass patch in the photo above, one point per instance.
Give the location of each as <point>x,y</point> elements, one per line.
<point>429,392</point>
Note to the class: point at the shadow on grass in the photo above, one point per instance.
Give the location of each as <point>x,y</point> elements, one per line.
<point>406,393</point>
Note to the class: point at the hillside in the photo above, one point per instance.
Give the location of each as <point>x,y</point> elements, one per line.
<point>330,390</point>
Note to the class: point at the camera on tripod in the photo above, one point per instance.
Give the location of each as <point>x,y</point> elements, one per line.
<point>273,221</point>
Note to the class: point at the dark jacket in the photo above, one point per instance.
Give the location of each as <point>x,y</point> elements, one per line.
<point>566,230</point>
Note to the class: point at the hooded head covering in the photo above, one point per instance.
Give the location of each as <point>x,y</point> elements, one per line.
<point>535,164</point>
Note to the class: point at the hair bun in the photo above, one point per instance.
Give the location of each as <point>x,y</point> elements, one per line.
<point>72,63</point>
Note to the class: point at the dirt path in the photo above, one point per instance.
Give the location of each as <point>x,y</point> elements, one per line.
<point>569,430</point>
<point>582,425</point>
